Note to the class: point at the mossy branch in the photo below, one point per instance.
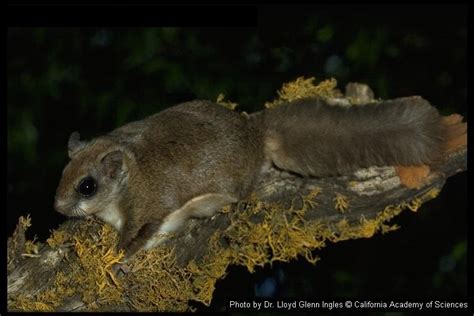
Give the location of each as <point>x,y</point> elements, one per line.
<point>288,216</point>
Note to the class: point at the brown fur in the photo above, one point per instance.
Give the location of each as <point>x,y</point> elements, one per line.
<point>184,152</point>
<point>313,139</point>
<point>194,158</point>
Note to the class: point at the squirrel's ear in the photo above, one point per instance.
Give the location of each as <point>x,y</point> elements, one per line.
<point>75,144</point>
<point>113,164</point>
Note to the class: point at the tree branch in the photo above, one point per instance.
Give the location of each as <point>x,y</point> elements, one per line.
<point>288,216</point>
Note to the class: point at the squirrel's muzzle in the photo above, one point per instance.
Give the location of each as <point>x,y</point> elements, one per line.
<point>62,207</point>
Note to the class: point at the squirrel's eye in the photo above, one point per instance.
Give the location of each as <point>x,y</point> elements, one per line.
<point>87,186</point>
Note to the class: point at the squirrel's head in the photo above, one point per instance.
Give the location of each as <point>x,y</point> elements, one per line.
<point>93,179</point>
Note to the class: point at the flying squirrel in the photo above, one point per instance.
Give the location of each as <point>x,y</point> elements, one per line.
<point>148,177</point>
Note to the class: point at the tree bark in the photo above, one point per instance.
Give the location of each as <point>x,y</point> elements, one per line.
<point>324,210</point>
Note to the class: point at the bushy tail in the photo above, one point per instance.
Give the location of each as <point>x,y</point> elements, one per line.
<point>312,138</point>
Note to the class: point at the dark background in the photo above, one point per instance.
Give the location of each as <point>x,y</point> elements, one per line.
<point>95,79</point>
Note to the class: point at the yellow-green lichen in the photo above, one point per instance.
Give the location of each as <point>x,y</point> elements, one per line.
<point>25,222</point>
<point>303,88</point>
<point>157,283</point>
<point>57,238</point>
<point>227,104</point>
<point>210,269</point>
<point>281,235</point>
<point>89,272</point>
<point>31,248</point>
<point>341,202</point>
<point>97,255</point>
<point>415,204</point>
<point>309,199</point>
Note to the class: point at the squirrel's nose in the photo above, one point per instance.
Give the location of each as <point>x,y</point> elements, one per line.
<point>60,206</point>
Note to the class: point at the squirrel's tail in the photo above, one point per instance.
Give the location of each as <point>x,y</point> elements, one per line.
<point>312,138</point>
